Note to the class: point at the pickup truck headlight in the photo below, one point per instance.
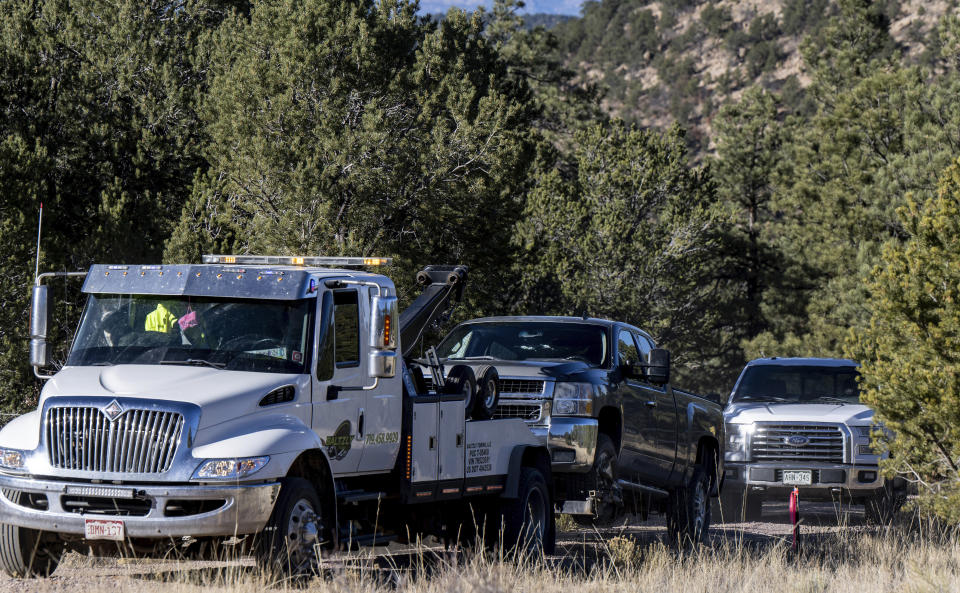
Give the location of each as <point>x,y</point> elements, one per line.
<point>736,449</point>
<point>227,469</point>
<point>572,399</point>
<point>12,459</point>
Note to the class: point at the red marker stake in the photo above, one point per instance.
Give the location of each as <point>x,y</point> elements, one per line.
<point>795,518</point>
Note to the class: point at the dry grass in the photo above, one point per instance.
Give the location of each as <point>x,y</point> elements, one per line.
<point>912,557</point>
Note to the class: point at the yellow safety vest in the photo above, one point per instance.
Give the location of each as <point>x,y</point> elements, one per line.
<point>160,320</point>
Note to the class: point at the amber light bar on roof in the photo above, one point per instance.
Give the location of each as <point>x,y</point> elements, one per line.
<point>293,260</point>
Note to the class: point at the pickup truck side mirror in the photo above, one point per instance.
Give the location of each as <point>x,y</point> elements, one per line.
<point>658,371</point>
<point>39,320</point>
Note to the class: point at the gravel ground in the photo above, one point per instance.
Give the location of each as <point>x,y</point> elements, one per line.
<point>575,548</point>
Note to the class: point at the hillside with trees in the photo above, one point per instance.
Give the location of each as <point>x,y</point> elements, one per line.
<point>740,178</point>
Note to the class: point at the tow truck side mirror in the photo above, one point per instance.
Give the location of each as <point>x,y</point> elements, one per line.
<point>39,320</point>
<point>382,362</point>
<point>658,371</point>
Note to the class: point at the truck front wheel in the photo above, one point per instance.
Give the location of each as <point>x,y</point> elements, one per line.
<point>602,479</point>
<point>289,543</point>
<point>527,521</point>
<point>27,553</point>
<point>688,516</point>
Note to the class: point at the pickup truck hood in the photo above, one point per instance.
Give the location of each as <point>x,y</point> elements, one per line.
<point>535,369</point>
<point>222,395</point>
<point>745,413</point>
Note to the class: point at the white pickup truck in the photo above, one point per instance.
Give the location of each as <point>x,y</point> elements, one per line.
<point>798,423</point>
<point>255,401</point>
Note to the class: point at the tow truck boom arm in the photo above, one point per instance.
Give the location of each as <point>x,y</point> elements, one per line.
<point>443,285</point>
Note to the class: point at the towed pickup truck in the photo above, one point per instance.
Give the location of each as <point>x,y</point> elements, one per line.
<point>798,423</point>
<point>598,394</point>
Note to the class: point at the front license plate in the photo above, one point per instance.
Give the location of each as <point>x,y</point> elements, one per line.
<point>103,529</point>
<point>798,477</point>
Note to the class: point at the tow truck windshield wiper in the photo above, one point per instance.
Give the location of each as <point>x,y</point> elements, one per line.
<point>197,362</point>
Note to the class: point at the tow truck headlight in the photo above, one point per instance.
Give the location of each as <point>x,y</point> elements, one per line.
<point>572,399</point>
<point>736,449</point>
<point>226,469</point>
<point>12,459</point>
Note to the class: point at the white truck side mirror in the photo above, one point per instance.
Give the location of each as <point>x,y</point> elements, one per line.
<point>39,318</point>
<point>382,362</point>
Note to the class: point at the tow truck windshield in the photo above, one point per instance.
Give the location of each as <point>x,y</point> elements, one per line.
<point>799,384</point>
<point>527,341</point>
<point>232,334</point>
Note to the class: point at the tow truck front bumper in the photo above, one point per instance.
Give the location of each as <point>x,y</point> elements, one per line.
<point>572,442</point>
<point>147,510</point>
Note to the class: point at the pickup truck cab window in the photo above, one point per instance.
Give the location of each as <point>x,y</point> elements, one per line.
<point>798,384</point>
<point>627,354</point>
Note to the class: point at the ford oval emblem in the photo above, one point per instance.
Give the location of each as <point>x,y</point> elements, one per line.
<point>797,440</point>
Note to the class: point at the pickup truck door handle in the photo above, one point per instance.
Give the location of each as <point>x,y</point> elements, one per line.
<point>651,404</point>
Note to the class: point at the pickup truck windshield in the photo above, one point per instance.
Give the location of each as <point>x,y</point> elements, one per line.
<point>527,341</point>
<point>798,384</point>
<point>232,334</point>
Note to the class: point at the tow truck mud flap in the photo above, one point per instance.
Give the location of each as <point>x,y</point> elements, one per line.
<point>577,507</point>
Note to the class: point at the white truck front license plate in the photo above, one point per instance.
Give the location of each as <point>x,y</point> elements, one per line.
<point>103,529</point>
<point>802,477</point>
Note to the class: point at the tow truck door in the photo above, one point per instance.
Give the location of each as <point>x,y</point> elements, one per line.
<point>338,363</point>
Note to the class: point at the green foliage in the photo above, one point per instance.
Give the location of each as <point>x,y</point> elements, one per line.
<point>911,347</point>
<point>716,19</point>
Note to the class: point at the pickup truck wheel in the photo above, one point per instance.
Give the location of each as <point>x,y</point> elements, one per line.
<point>883,507</point>
<point>461,380</point>
<point>527,521</point>
<point>27,553</point>
<point>688,517</point>
<point>603,480</point>
<point>288,544</point>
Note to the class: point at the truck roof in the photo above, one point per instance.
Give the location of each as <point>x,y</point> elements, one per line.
<point>555,319</point>
<point>280,282</point>
<point>804,361</point>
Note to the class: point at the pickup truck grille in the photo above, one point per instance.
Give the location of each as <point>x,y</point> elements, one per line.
<point>529,412</point>
<point>771,443</point>
<point>511,386</point>
<point>138,441</point>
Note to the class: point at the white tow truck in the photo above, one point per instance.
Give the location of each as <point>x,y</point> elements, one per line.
<point>257,403</point>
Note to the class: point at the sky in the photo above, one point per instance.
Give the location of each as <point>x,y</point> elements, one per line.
<point>571,7</point>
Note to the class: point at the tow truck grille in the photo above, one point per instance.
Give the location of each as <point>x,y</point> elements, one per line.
<point>138,441</point>
<point>771,443</point>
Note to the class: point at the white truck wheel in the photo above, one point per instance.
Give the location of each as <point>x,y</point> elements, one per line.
<point>24,554</point>
<point>527,521</point>
<point>289,544</point>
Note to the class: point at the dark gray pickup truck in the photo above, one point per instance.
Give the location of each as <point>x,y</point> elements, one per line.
<point>598,392</point>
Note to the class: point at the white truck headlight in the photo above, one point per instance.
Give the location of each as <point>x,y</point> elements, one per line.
<point>736,449</point>
<point>12,459</point>
<point>226,469</point>
<point>572,399</point>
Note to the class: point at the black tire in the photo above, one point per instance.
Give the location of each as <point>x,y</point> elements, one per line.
<point>288,543</point>
<point>884,506</point>
<point>602,478</point>
<point>461,380</point>
<point>688,516</point>
<point>488,393</point>
<point>527,522</point>
<point>28,553</point>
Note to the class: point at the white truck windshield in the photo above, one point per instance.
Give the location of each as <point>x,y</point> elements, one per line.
<point>798,384</point>
<point>527,341</point>
<point>232,334</point>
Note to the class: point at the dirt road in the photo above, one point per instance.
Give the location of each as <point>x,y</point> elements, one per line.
<point>578,549</point>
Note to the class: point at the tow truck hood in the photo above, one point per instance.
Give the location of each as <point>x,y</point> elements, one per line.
<point>746,413</point>
<point>222,395</point>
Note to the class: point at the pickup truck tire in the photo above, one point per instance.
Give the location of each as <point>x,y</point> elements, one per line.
<point>488,393</point>
<point>25,553</point>
<point>527,521</point>
<point>602,478</point>
<point>461,380</point>
<point>287,544</point>
<point>688,515</point>
<point>883,507</point>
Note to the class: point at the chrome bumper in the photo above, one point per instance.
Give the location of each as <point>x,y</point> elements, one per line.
<point>762,478</point>
<point>572,442</point>
<point>245,510</point>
